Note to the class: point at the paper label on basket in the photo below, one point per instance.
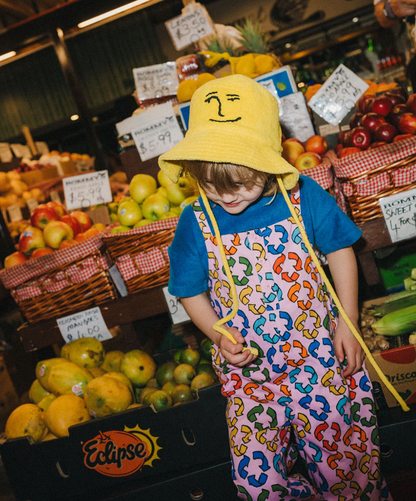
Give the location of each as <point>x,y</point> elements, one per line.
<point>15,213</point>
<point>55,197</point>
<point>189,27</point>
<point>87,189</point>
<point>338,95</point>
<point>32,203</point>
<point>158,131</point>
<point>158,80</point>
<point>176,310</point>
<point>87,323</point>
<point>399,212</point>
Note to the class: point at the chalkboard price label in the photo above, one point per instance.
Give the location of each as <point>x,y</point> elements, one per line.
<point>87,323</point>
<point>86,190</point>
<point>399,212</point>
<point>189,27</point>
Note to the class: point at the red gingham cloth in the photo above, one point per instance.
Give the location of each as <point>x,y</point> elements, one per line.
<point>371,159</point>
<point>322,173</point>
<point>143,263</point>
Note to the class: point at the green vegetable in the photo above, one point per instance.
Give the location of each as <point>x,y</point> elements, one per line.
<point>397,302</point>
<point>398,322</point>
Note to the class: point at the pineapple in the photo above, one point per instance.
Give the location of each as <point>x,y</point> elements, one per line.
<point>221,45</point>
<point>252,37</point>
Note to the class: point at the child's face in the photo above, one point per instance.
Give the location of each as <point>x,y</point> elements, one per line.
<point>237,200</point>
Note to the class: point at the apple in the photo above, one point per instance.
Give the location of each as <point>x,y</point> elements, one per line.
<point>381,105</point>
<point>395,98</point>
<point>363,102</point>
<point>307,160</point>
<point>187,201</point>
<point>99,226</point>
<point>68,243</point>
<point>142,222</point>
<point>113,218</point>
<point>341,135</point>
<point>399,137</point>
<point>385,132</point>
<point>400,90</point>
<point>31,239</point>
<point>41,252</point>
<point>141,186</point>
<point>59,208</point>
<point>55,232</point>
<point>13,259</point>
<point>162,190</point>
<point>168,215</point>
<point>291,149</point>
<point>349,151</point>
<point>83,219</point>
<point>396,113</point>
<point>338,148</point>
<point>355,120</point>
<point>129,213</point>
<point>407,123</point>
<point>42,214</point>
<point>360,138</point>
<point>120,229</point>
<point>163,179</point>
<point>154,206</point>
<point>112,207</point>
<point>91,232</point>
<point>377,144</point>
<point>411,103</point>
<point>371,120</point>
<point>177,192</point>
<point>316,144</point>
<point>73,223</point>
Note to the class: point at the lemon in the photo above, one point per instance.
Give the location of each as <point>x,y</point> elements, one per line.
<point>203,78</point>
<point>186,89</point>
<point>184,373</point>
<point>65,411</point>
<point>246,65</point>
<point>26,420</point>
<point>264,64</point>
<point>181,393</point>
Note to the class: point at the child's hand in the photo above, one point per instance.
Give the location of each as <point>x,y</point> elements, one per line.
<point>346,345</point>
<point>234,353</point>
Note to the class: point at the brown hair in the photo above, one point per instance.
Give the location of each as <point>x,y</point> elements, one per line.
<point>225,176</point>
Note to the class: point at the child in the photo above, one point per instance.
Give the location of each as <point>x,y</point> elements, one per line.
<point>291,370</point>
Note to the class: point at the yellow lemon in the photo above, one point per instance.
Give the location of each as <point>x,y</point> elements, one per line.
<point>204,78</point>
<point>186,89</point>
<point>246,65</point>
<point>264,64</point>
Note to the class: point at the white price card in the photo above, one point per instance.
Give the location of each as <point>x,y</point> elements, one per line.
<point>156,81</point>
<point>15,213</point>
<point>188,28</point>
<point>399,212</point>
<point>86,190</point>
<point>87,323</point>
<point>21,151</point>
<point>32,203</point>
<point>54,196</point>
<point>158,131</point>
<point>6,154</point>
<point>338,95</point>
<point>294,116</point>
<point>176,310</point>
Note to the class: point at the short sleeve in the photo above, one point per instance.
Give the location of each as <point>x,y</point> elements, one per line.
<point>188,258</point>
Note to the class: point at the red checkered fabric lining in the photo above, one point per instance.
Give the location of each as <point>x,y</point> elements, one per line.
<point>322,173</point>
<point>163,224</point>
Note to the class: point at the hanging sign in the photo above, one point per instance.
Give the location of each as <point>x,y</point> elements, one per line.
<point>176,310</point>
<point>155,81</point>
<point>189,27</point>
<point>338,95</point>
<point>87,323</point>
<point>86,190</point>
<point>158,131</point>
<point>399,212</point>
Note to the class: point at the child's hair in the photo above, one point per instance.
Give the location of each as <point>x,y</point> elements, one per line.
<point>225,177</point>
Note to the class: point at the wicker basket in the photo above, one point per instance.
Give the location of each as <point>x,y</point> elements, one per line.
<point>141,254</point>
<point>368,176</point>
<point>61,283</point>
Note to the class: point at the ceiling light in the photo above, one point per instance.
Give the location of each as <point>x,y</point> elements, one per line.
<point>74,117</point>
<point>8,55</point>
<point>355,19</point>
<point>111,13</point>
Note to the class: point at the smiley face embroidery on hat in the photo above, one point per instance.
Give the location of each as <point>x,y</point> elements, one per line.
<point>222,104</point>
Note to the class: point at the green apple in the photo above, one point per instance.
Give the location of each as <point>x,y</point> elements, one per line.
<point>154,206</point>
<point>188,201</point>
<point>163,179</point>
<point>120,228</point>
<point>114,218</point>
<point>168,215</point>
<point>177,192</point>
<point>112,207</point>
<point>124,199</point>
<point>141,186</point>
<point>177,209</point>
<point>163,191</point>
<point>142,222</point>
<point>129,213</point>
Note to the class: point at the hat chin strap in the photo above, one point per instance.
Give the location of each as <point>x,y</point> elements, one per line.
<point>233,292</point>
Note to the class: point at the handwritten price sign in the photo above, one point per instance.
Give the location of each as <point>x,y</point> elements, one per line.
<point>188,28</point>
<point>87,323</point>
<point>158,132</point>
<point>399,212</point>
<point>176,310</point>
<point>338,95</point>
<point>86,190</point>
<point>156,81</point>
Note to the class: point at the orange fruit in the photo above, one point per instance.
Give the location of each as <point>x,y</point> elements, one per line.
<point>145,394</point>
<point>184,373</point>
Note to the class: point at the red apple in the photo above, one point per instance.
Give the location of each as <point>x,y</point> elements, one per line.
<point>355,120</point>
<point>73,223</point>
<point>31,239</point>
<point>291,149</point>
<point>381,105</point>
<point>307,160</point>
<point>407,123</point>
<point>411,103</point>
<point>360,138</point>
<point>14,259</point>
<point>349,151</point>
<point>364,101</point>
<point>41,216</point>
<point>59,208</point>
<point>83,219</point>
<point>316,144</point>
<point>377,144</point>
<point>346,139</point>
<point>400,90</point>
<point>55,232</point>
<point>396,113</point>
<point>91,232</point>
<point>68,243</point>
<point>371,120</point>
<point>341,135</point>
<point>338,148</point>
<point>41,252</point>
<point>395,98</point>
<point>385,132</point>
<point>399,137</point>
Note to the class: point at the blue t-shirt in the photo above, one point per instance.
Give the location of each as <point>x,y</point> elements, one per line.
<point>327,227</point>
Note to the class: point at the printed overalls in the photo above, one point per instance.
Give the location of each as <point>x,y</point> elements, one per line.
<point>294,388</point>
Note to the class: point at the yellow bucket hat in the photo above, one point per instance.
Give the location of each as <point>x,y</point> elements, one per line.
<point>234,120</point>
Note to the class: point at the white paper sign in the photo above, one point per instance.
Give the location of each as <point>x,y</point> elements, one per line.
<point>156,81</point>
<point>6,154</point>
<point>87,189</point>
<point>21,151</point>
<point>15,213</point>
<point>188,28</point>
<point>32,203</point>
<point>295,116</point>
<point>399,212</point>
<point>338,95</point>
<point>87,323</point>
<point>176,310</point>
<point>158,131</point>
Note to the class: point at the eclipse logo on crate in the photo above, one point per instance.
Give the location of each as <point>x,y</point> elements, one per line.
<point>121,453</point>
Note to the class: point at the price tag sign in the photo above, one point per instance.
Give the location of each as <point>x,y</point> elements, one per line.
<point>338,95</point>
<point>158,131</point>
<point>21,151</point>
<point>6,154</point>
<point>188,28</point>
<point>54,196</point>
<point>87,189</point>
<point>87,323</point>
<point>156,81</point>
<point>399,212</point>
<point>176,310</point>
<point>15,213</point>
<point>295,116</point>
<point>32,203</point>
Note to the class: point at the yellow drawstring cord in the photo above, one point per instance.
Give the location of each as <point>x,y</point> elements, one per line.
<point>233,292</point>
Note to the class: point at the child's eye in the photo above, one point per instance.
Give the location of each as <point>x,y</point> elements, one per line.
<point>238,184</point>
